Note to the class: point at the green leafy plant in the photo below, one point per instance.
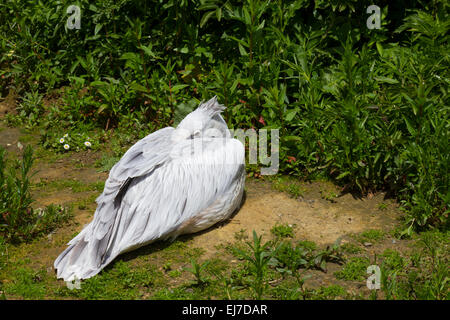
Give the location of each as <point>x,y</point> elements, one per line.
<point>197,269</point>
<point>18,221</point>
<point>283,231</point>
<point>258,258</point>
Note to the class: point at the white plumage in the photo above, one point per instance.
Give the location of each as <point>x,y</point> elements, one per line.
<point>173,181</point>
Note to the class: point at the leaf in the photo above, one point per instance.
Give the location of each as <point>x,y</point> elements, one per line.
<point>234,85</point>
<point>242,50</point>
<point>98,27</point>
<point>379,48</point>
<point>205,18</point>
<point>102,108</point>
<point>138,87</point>
<point>219,14</point>
<point>346,173</point>
<point>410,128</point>
<point>178,87</point>
<point>292,138</point>
<point>148,51</point>
<point>386,79</point>
<point>129,56</point>
<point>98,83</point>
<point>261,25</point>
<point>290,115</point>
<point>247,17</point>
<point>74,65</point>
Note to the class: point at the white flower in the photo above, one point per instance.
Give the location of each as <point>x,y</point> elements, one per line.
<point>40,212</point>
<point>61,140</point>
<point>66,135</point>
<point>66,146</point>
<point>87,144</point>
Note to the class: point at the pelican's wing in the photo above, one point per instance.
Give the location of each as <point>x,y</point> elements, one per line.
<point>190,192</point>
<point>84,256</point>
<point>144,156</point>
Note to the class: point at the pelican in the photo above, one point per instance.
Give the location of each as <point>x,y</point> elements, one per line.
<point>174,181</point>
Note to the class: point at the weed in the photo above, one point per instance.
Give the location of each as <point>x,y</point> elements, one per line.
<point>241,235</point>
<point>197,269</point>
<point>351,248</point>
<point>18,221</point>
<point>27,283</point>
<point>372,235</point>
<point>258,259</point>
<point>424,275</point>
<point>332,292</point>
<point>283,231</point>
<point>105,163</point>
<point>283,184</point>
<point>355,269</point>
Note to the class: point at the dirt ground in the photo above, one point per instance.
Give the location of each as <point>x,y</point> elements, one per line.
<point>312,217</point>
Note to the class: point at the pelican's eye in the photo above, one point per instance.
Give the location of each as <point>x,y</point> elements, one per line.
<point>196,134</point>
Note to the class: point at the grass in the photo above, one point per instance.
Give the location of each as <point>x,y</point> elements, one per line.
<point>72,184</point>
<point>372,235</point>
<point>332,292</point>
<point>19,222</point>
<point>27,283</point>
<point>106,162</point>
<point>283,231</point>
<point>423,274</point>
<point>355,269</point>
<point>351,248</point>
<point>286,184</point>
<point>328,193</point>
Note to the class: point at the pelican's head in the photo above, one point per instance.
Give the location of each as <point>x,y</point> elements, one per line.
<point>203,122</point>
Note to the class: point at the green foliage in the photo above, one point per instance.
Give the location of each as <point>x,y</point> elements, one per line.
<point>258,259</point>
<point>18,221</point>
<point>106,162</point>
<point>423,275</point>
<point>282,231</point>
<point>289,258</point>
<point>196,270</point>
<point>329,293</point>
<point>3,253</point>
<point>284,184</point>
<point>371,235</point>
<point>75,141</point>
<point>28,283</point>
<point>355,269</point>
<point>351,248</point>
<point>30,110</point>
